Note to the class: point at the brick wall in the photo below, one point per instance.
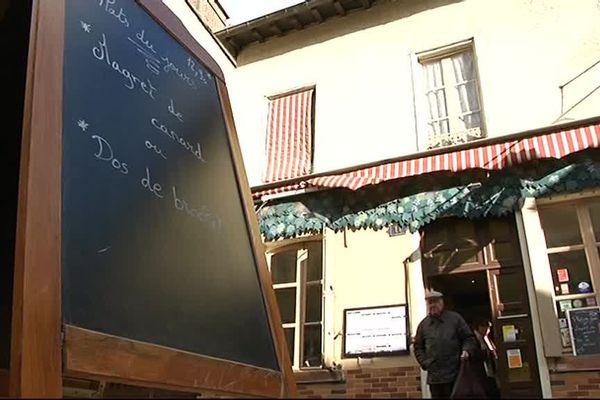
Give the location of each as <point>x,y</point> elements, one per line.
<point>575,384</point>
<point>398,383</point>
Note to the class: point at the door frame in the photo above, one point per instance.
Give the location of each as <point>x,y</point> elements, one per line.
<point>543,371</point>
<point>537,341</point>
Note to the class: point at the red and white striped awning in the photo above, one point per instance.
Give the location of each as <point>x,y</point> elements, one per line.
<point>289,136</point>
<point>556,145</point>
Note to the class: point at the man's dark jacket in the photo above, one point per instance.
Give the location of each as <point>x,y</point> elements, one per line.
<point>439,343</point>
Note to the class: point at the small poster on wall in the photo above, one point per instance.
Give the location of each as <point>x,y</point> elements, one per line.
<point>514,358</point>
<point>509,333</point>
<point>565,305</point>
<point>565,337</point>
<point>563,275</point>
<point>376,331</point>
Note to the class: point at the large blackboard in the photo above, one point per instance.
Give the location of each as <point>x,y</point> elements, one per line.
<point>155,245</point>
<point>584,324</point>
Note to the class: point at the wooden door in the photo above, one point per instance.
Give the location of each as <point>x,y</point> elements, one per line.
<point>517,370</point>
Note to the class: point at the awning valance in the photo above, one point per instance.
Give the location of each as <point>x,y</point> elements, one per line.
<point>495,156</point>
<point>497,195</point>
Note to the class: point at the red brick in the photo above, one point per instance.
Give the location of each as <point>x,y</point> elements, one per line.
<point>372,380</point>
<point>588,387</point>
<point>380,385</point>
<point>363,376</point>
<point>398,373</point>
<point>388,379</point>
<point>578,393</point>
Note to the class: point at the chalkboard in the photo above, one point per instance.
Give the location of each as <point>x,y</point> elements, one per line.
<point>155,245</point>
<point>584,325</point>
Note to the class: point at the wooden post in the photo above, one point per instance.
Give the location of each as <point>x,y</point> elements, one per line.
<point>35,369</point>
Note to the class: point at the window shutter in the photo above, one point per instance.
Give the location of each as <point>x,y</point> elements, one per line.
<point>289,136</point>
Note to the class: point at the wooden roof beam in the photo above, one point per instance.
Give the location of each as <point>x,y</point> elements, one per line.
<point>275,28</point>
<point>256,34</point>
<point>339,8</point>
<point>317,15</point>
<point>296,22</point>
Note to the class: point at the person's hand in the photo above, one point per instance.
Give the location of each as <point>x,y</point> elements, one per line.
<point>464,355</point>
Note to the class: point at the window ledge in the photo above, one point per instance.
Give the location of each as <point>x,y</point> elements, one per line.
<point>575,364</point>
<point>319,376</point>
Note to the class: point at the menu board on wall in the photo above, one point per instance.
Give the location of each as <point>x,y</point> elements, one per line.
<point>376,331</point>
<point>155,244</point>
<point>584,325</point>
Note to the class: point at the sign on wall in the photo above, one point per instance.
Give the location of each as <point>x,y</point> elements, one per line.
<point>584,326</point>
<point>376,331</point>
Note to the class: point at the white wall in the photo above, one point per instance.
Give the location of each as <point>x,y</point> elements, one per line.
<point>365,269</point>
<point>360,65</point>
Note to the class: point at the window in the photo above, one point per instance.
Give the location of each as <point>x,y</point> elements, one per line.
<point>451,96</point>
<point>297,274</point>
<point>289,149</point>
<point>572,232</point>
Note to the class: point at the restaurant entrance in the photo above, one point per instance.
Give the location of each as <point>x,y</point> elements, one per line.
<point>478,267</point>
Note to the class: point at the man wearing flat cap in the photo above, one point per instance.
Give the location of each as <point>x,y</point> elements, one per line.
<point>443,339</point>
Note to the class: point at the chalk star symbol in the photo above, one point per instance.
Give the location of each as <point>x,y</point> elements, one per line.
<point>82,124</point>
<point>85,26</point>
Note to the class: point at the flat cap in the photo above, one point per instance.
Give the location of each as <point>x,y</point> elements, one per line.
<point>433,294</point>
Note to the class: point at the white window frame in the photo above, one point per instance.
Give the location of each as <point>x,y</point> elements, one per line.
<point>590,244</point>
<point>301,286</point>
<point>418,60</point>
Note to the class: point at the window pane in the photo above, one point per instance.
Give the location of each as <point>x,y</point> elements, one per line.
<point>312,345</point>
<point>506,251</point>
<point>286,299</point>
<point>283,267</point>
<point>502,230</point>
<point>561,226</point>
<point>314,295</point>
<point>436,235</point>
<point>462,65</point>
<point>511,289</point>
<point>570,273</point>
<point>472,120</point>
<point>315,262</point>
<point>465,234</point>
<point>595,214</point>
<point>561,307</point>
<point>445,261</point>
<point>436,95</point>
<point>289,339</point>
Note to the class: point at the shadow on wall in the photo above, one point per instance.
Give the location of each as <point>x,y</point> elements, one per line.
<point>337,27</point>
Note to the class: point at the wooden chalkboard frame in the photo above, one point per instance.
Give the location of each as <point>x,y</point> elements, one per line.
<point>568,315</point>
<point>42,349</point>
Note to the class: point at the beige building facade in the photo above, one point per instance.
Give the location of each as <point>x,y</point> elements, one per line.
<point>368,80</point>
<point>393,82</point>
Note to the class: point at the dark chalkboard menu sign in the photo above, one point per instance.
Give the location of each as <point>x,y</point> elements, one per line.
<point>155,244</point>
<point>584,325</point>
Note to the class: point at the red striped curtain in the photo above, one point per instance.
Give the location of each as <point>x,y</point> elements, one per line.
<point>289,137</point>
